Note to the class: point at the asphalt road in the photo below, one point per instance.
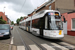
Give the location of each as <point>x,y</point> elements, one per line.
<point>27,41</point>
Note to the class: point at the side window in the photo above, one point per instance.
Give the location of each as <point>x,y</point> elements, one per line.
<point>24,23</point>
<point>28,23</point>
<point>73,24</point>
<point>35,23</point>
<point>42,23</point>
<point>50,7</point>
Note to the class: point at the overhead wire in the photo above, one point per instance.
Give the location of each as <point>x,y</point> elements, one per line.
<point>22,5</point>
<point>41,2</point>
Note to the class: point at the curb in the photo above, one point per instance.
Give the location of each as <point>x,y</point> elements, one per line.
<point>69,39</point>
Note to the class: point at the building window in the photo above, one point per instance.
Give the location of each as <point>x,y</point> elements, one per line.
<point>73,24</point>
<point>50,7</point>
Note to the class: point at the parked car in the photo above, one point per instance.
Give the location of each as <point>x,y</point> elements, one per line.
<point>11,27</point>
<point>5,30</point>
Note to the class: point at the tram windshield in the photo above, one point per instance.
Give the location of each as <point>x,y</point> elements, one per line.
<point>55,22</point>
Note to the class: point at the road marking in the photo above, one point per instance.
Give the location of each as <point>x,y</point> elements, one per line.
<point>20,48</point>
<point>10,46</point>
<point>67,44</point>
<point>61,47</point>
<point>34,47</point>
<point>47,47</point>
<point>11,41</point>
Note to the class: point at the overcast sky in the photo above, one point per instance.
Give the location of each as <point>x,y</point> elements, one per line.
<point>13,7</point>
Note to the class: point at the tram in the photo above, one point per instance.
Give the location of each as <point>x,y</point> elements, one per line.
<point>46,23</point>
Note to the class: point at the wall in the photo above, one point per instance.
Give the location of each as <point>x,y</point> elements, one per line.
<point>3,16</point>
<point>69,18</point>
<point>65,5</point>
<point>47,7</point>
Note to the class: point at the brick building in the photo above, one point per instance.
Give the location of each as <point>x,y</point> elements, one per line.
<point>65,5</point>
<point>3,16</point>
<point>8,21</point>
<point>50,5</point>
<point>70,19</point>
<point>61,5</point>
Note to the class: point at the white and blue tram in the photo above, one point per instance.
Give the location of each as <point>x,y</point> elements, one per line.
<point>46,23</point>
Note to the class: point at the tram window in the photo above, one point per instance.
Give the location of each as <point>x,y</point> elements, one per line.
<point>28,23</point>
<point>42,23</point>
<point>35,23</point>
<point>24,24</point>
<point>57,15</point>
<point>59,24</point>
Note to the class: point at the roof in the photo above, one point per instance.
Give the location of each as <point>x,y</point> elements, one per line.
<point>38,15</point>
<point>45,4</point>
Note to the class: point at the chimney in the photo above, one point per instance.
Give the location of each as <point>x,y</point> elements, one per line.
<point>4,13</point>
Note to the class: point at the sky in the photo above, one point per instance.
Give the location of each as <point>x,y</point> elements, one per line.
<point>14,9</point>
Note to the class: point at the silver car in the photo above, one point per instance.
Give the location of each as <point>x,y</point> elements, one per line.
<point>5,30</point>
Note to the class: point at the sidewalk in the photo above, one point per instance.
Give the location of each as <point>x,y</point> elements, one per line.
<point>4,46</point>
<point>69,39</point>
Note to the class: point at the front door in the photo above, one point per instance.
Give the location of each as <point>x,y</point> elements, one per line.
<point>42,25</point>
<point>41,32</point>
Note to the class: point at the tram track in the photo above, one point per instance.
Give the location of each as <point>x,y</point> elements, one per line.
<point>42,48</point>
<point>25,45</point>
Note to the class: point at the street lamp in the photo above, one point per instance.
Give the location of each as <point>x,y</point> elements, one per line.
<point>4,9</point>
<point>4,12</point>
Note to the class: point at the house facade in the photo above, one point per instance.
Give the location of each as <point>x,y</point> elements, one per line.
<point>61,5</point>
<point>3,16</point>
<point>8,21</point>
<point>65,6</point>
<point>70,19</point>
<point>50,5</point>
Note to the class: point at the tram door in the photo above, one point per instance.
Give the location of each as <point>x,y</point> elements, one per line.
<point>41,26</point>
<point>41,32</point>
